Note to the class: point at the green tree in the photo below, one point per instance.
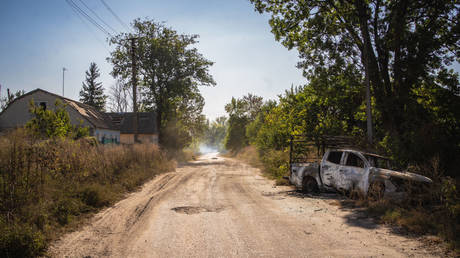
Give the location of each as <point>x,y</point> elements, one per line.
<point>406,43</point>
<point>92,92</point>
<point>215,133</point>
<point>170,72</point>
<point>408,46</point>
<point>241,112</point>
<point>50,124</point>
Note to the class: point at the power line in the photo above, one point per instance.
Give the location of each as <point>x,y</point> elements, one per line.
<point>77,9</point>
<point>94,33</point>
<point>98,17</point>
<point>89,18</point>
<point>115,15</point>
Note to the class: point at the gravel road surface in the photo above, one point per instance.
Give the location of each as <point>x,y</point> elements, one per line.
<point>218,207</point>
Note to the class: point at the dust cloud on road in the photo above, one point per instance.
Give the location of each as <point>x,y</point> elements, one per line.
<point>217,207</point>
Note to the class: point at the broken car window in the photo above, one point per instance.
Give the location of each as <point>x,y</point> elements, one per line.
<point>334,157</point>
<point>354,161</point>
<point>378,162</point>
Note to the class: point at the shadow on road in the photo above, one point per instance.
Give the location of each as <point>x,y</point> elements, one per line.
<point>357,216</point>
<point>200,163</point>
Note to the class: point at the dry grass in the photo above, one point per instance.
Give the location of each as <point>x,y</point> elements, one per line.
<point>436,211</point>
<point>249,155</point>
<point>274,164</point>
<point>417,215</point>
<point>47,185</point>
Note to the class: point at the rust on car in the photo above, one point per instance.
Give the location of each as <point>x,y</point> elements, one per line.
<point>348,169</point>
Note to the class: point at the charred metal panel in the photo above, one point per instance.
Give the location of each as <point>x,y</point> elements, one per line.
<point>353,171</point>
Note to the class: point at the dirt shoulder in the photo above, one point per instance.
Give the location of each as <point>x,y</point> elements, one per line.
<point>218,207</point>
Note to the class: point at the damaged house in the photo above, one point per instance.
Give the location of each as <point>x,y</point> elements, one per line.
<point>100,124</point>
<point>147,130</point>
<point>105,127</point>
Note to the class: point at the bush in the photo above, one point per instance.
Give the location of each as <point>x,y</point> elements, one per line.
<point>21,241</point>
<point>274,164</point>
<point>64,209</point>
<point>47,185</point>
<point>436,211</point>
<point>96,196</point>
<point>49,123</point>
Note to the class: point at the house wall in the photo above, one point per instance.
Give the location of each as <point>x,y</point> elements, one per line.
<point>17,114</point>
<point>107,136</point>
<point>144,138</point>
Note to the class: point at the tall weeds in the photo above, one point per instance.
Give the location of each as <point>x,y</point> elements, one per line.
<point>46,185</point>
<point>434,209</point>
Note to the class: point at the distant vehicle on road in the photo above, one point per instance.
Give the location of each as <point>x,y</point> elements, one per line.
<point>348,169</point>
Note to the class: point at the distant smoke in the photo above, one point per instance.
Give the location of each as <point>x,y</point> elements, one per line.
<point>204,149</point>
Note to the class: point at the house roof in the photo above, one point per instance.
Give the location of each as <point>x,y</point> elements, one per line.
<point>92,115</point>
<point>147,123</point>
<point>96,118</point>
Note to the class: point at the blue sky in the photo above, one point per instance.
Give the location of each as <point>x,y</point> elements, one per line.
<point>38,38</point>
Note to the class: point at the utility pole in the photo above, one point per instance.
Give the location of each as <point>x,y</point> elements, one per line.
<point>63,70</point>
<point>134,82</point>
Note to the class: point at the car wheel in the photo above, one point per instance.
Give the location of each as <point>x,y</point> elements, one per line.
<point>309,185</point>
<point>376,191</point>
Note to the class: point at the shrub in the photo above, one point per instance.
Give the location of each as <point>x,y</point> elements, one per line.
<point>48,184</point>
<point>96,196</point>
<point>21,241</point>
<point>274,164</point>
<point>64,209</point>
<point>49,123</point>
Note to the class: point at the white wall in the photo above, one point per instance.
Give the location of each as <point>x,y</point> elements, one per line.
<point>109,136</point>
<point>17,114</point>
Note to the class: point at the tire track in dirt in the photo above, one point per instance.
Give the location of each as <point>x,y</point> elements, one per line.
<point>115,224</point>
<point>219,207</point>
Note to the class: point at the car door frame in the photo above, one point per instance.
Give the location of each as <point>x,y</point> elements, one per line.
<point>352,177</point>
<point>329,169</point>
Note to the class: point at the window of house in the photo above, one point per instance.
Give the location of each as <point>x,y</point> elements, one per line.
<point>42,104</point>
<point>354,161</point>
<point>334,157</point>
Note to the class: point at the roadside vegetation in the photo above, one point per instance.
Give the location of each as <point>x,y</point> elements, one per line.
<point>52,175</point>
<point>415,98</point>
<point>263,142</point>
<point>170,72</point>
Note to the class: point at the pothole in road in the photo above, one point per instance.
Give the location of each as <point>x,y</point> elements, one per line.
<point>196,209</point>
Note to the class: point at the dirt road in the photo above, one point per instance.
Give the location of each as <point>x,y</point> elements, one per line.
<point>217,207</point>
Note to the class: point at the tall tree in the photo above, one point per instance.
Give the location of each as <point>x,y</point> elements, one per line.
<point>241,112</point>
<point>170,71</point>
<point>406,44</point>
<point>92,92</point>
<point>215,133</point>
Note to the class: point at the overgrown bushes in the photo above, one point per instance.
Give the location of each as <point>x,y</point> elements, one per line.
<point>274,164</point>
<point>47,184</point>
<point>325,108</point>
<point>430,213</point>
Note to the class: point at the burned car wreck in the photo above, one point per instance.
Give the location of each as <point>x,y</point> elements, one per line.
<point>347,169</point>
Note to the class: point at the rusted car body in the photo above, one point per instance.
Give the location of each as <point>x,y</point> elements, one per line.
<point>352,170</point>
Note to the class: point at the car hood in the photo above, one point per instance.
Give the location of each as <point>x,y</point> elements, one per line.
<point>404,175</point>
